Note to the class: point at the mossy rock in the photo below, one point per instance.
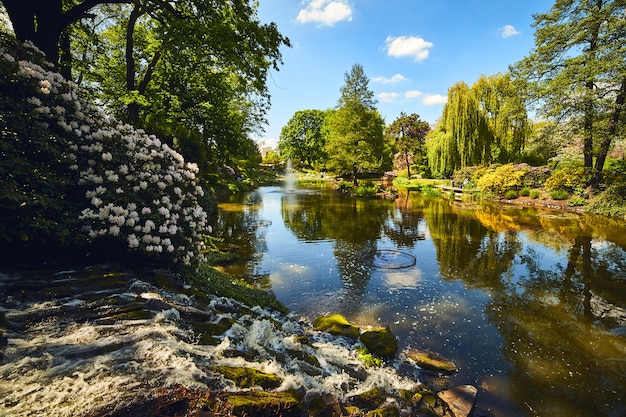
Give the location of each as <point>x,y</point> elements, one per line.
<point>248,377</point>
<point>380,342</point>
<point>261,403</point>
<point>337,325</point>
<point>384,412</point>
<point>369,400</point>
<point>431,361</point>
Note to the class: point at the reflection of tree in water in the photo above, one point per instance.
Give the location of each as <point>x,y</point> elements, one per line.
<point>238,224</point>
<point>556,321</point>
<point>557,327</point>
<point>354,224</point>
<point>405,224</point>
<point>468,250</point>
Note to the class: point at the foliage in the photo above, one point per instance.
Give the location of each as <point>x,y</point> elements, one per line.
<point>211,281</point>
<point>559,194</point>
<point>302,138</point>
<point>524,192</point>
<point>191,72</point>
<point>499,179</point>
<point>355,130</point>
<point>75,174</point>
<point>534,194</point>
<point>271,157</point>
<point>365,191</point>
<point>510,195</point>
<point>465,177</point>
<point>407,134</point>
<point>483,124</point>
<point>568,179</point>
<point>534,176</point>
<point>612,202</point>
<point>546,141</point>
<point>577,201</point>
<point>576,74</point>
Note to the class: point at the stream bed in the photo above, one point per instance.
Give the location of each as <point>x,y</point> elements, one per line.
<point>529,303</point>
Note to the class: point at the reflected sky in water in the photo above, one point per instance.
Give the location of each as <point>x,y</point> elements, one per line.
<point>530,304</point>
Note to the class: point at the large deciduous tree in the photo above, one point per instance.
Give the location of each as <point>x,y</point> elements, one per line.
<point>302,137</point>
<point>481,124</point>
<point>407,134</point>
<point>577,73</point>
<point>355,130</point>
<point>192,71</point>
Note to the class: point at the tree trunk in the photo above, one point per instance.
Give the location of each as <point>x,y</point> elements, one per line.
<point>406,159</point>
<point>65,57</point>
<point>354,175</point>
<point>611,131</point>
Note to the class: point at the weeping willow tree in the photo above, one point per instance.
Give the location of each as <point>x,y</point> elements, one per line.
<point>480,125</point>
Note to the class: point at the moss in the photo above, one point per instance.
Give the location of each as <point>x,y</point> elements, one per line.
<point>337,325</point>
<point>248,377</point>
<point>260,403</point>
<point>431,361</point>
<point>211,281</point>
<point>380,342</point>
<point>384,412</point>
<point>371,399</point>
<point>369,360</point>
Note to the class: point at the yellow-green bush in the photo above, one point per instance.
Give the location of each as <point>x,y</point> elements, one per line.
<point>570,179</point>
<point>499,180</point>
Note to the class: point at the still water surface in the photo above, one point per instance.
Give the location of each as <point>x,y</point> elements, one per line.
<point>530,304</point>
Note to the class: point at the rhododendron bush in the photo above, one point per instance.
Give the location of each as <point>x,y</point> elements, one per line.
<point>72,176</point>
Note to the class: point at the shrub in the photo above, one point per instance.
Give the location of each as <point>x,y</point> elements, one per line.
<point>611,202</point>
<point>534,194</point>
<point>76,176</point>
<point>430,191</point>
<point>524,192</point>
<point>577,201</point>
<point>511,195</point>
<point>559,195</point>
<point>501,179</point>
<point>570,179</point>
<point>365,191</point>
<point>535,176</point>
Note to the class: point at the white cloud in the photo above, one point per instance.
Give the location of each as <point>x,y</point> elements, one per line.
<point>413,94</point>
<point>388,97</point>
<point>411,46</point>
<point>434,99</point>
<point>394,79</point>
<point>326,12</point>
<point>508,30</point>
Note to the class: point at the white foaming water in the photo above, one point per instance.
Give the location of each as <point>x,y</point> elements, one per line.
<point>58,366</point>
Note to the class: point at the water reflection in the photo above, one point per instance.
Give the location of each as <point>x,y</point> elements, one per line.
<point>531,304</point>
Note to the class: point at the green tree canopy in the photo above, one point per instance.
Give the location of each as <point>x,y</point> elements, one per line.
<point>192,72</point>
<point>481,124</point>
<point>407,134</point>
<point>302,138</point>
<point>355,130</point>
<point>576,72</point>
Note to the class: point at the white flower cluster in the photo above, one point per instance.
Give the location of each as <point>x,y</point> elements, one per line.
<point>137,188</point>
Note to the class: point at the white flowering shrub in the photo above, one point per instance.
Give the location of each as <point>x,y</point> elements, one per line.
<point>74,175</point>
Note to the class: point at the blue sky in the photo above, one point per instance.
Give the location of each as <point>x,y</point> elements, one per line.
<point>412,50</point>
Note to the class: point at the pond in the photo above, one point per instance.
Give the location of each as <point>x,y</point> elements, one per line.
<point>530,304</point>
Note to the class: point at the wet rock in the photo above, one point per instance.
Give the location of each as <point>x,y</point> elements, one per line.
<point>369,400</point>
<point>380,342</point>
<point>248,377</point>
<point>337,325</point>
<point>325,405</point>
<point>461,399</point>
<point>430,361</point>
<point>261,403</point>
